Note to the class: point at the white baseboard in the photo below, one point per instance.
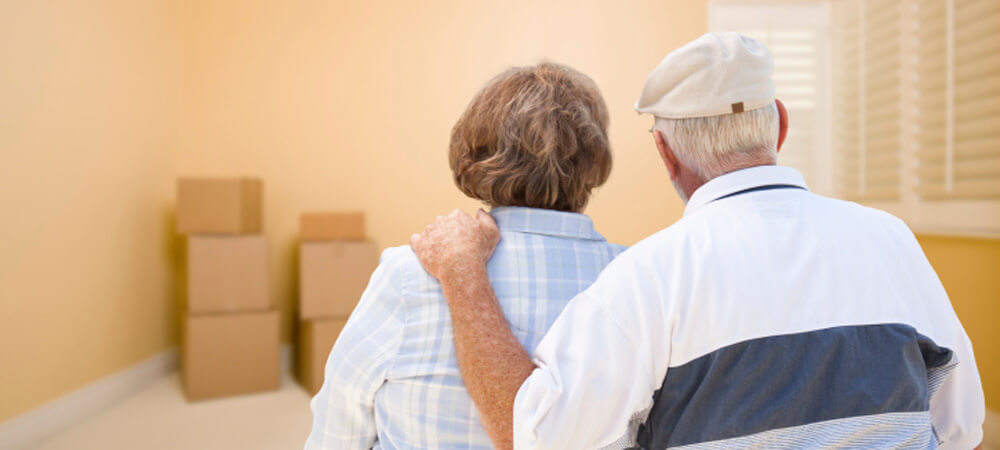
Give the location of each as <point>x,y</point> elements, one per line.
<point>286,358</point>
<point>991,431</point>
<point>39,423</point>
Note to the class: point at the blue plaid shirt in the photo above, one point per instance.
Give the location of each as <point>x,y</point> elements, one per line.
<point>392,379</point>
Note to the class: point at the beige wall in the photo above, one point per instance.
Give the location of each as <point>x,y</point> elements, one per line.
<point>968,269</point>
<point>88,105</point>
<point>348,105</point>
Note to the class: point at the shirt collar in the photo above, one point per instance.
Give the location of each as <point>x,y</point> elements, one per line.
<point>740,180</point>
<point>545,221</point>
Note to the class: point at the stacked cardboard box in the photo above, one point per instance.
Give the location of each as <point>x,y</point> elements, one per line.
<point>230,335</point>
<point>335,263</point>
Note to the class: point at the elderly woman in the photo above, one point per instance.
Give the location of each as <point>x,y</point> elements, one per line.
<point>532,144</point>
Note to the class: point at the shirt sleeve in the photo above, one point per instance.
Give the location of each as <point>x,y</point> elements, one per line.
<point>344,408</point>
<point>592,377</point>
<point>957,406</point>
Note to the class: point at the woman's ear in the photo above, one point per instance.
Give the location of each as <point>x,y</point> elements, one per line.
<point>666,154</point>
<point>782,123</point>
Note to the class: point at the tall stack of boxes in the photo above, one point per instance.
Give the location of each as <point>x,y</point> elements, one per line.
<point>336,261</point>
<point>230,335</point>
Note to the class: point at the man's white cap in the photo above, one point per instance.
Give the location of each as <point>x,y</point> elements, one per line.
<point>718,73</point>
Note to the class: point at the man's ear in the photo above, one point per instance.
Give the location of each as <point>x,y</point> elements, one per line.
<point>667,155</point>
<point>782,123</point>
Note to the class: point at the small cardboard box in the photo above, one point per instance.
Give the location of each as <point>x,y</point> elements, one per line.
<point>229,354</point>
<point>219,205</point>
<point>316,339</point>
<point>227,274</point>
<point>332,276</point>
<point>332,226</point>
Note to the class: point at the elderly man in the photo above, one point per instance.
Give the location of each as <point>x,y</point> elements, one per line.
<point>768,316</point>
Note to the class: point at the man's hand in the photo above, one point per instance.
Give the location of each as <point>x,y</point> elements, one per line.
<point>456,244</point>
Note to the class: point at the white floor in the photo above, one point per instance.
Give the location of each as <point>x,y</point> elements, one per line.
<point>160,418</point>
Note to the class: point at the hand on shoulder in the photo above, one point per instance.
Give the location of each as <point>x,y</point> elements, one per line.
<point>455,244</point>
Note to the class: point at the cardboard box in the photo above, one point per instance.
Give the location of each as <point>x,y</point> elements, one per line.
<point>332,276</point>
<point>332,226</point>
<point>219,205</point>
<point>316,339</point>
<point>229,354</point>
<point>228,274</point>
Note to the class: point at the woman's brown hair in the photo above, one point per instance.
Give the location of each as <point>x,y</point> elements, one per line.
<point>534,136</point>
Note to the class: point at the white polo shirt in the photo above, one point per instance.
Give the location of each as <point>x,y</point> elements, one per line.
<point>768,316</point>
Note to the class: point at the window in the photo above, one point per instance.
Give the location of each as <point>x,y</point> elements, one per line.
<point>956,93</point>
<point>959,139</point>
<point>912,89</point>
<point>867,105</point>
<point>798,37</point>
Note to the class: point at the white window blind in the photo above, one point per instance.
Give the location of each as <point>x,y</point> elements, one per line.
<point>798,38</point>
<point>917,110</point>
<point>867,107</point>
<point>958,137</point>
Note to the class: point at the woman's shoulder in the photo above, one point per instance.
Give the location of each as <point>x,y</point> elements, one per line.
<point>402,254</point>
<point>399,281</point>
<point>403,263</point>
<point>399,261</point>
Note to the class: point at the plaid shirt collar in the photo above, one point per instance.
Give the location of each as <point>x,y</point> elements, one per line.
<point>549,222</point>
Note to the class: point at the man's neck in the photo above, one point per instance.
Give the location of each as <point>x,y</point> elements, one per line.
<point>695,182</point>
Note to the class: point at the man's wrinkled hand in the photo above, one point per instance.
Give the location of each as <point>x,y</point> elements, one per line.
<point>456,244</point>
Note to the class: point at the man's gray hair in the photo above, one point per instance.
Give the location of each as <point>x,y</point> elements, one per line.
<point>712,146</point>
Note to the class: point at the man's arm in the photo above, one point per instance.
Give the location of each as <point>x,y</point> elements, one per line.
<point>493,363</point>
<point>957,407</point>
